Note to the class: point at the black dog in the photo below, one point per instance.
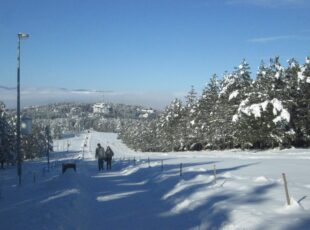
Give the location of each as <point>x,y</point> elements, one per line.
<point>66,166</point>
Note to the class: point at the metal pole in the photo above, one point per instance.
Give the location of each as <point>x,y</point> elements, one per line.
<point>47,132</point>
<point>18,150</point>
<point>19,167</point>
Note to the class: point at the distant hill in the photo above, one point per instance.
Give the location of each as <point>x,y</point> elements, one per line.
<point>31,96</point>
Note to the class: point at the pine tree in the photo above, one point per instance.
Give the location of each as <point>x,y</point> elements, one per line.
<point>234,90</point>
<point>189,122</point>
<point>4,135</point>
<point>205,116</point>
<point>301,102</point>
<point>170,127</point>
<point>273,111</point>
<point>264,115</point>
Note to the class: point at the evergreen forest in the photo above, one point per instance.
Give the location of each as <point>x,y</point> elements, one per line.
<point>272,110</point>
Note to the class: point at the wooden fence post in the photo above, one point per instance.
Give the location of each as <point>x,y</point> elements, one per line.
<point>214,173</point>
<point>34,177</point>
<point>181,166</point>
<point>286,190</point>
<point>43,171</point>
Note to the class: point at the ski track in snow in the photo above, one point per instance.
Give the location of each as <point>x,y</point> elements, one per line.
<point>246,193</point>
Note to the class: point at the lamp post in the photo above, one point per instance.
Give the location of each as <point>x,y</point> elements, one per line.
<point>19,166</point>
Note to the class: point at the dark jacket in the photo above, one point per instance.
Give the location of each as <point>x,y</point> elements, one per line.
<point>100,154</point>
<point>109,153</point>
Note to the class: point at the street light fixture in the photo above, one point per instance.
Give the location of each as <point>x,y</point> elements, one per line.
<point>19,167</point>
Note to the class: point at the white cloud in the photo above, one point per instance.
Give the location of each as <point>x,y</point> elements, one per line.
<point>270,3</point>
<point>277,38</point>
<point>271,39</point>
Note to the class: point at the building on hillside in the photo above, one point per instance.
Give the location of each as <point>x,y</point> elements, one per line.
<point>102,108</point>
<point>146,113</point>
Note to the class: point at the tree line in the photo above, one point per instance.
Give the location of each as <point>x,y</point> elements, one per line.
<point>55,121</point>
<point>33,145</point>
<point>234,112</point>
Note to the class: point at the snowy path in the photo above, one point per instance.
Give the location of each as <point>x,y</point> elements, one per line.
<point>248,194</point>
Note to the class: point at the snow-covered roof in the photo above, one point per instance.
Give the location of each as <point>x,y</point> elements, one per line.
<point>100,105</point>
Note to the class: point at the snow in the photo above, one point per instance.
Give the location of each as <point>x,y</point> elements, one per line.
<point>284,116</point>
<point>292,64</point>
<point>279,67</point>
<point>291,132</point>
<point>228,81</point>
<point>300,75</point>
<point>233,94</point>
<point>248,191</point>
<point>278,107</point>
<point>146,115</point>
<point>60,195</point>
<point>277,75</point>
<point>235,118</point>
<point>254,109</point>
<point>279,111</point>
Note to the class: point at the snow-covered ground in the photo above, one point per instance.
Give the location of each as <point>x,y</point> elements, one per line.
<point>146,190</point>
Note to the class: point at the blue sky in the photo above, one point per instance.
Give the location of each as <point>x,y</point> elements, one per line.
<point>146,45</point>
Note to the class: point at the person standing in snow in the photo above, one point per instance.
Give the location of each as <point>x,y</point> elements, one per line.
<point>109,154</point>
<point>100,155</point>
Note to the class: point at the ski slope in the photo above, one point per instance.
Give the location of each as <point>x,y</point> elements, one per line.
<point>146,190</point>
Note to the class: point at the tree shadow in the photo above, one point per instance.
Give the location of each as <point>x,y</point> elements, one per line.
<point>156,217</point>
<point>91,200</point>
<point>302,224</point>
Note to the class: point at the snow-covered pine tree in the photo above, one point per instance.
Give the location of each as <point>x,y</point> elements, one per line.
<point>234,89</point>
<point>37,143</point>
<point>301,100</point>
<point>170,127</point>
<point>7,136</point>
<point>189,122</point>
<point>263,117</point>
<point>5,140</point>
<point>272,111</point>
<point>206,118</point>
